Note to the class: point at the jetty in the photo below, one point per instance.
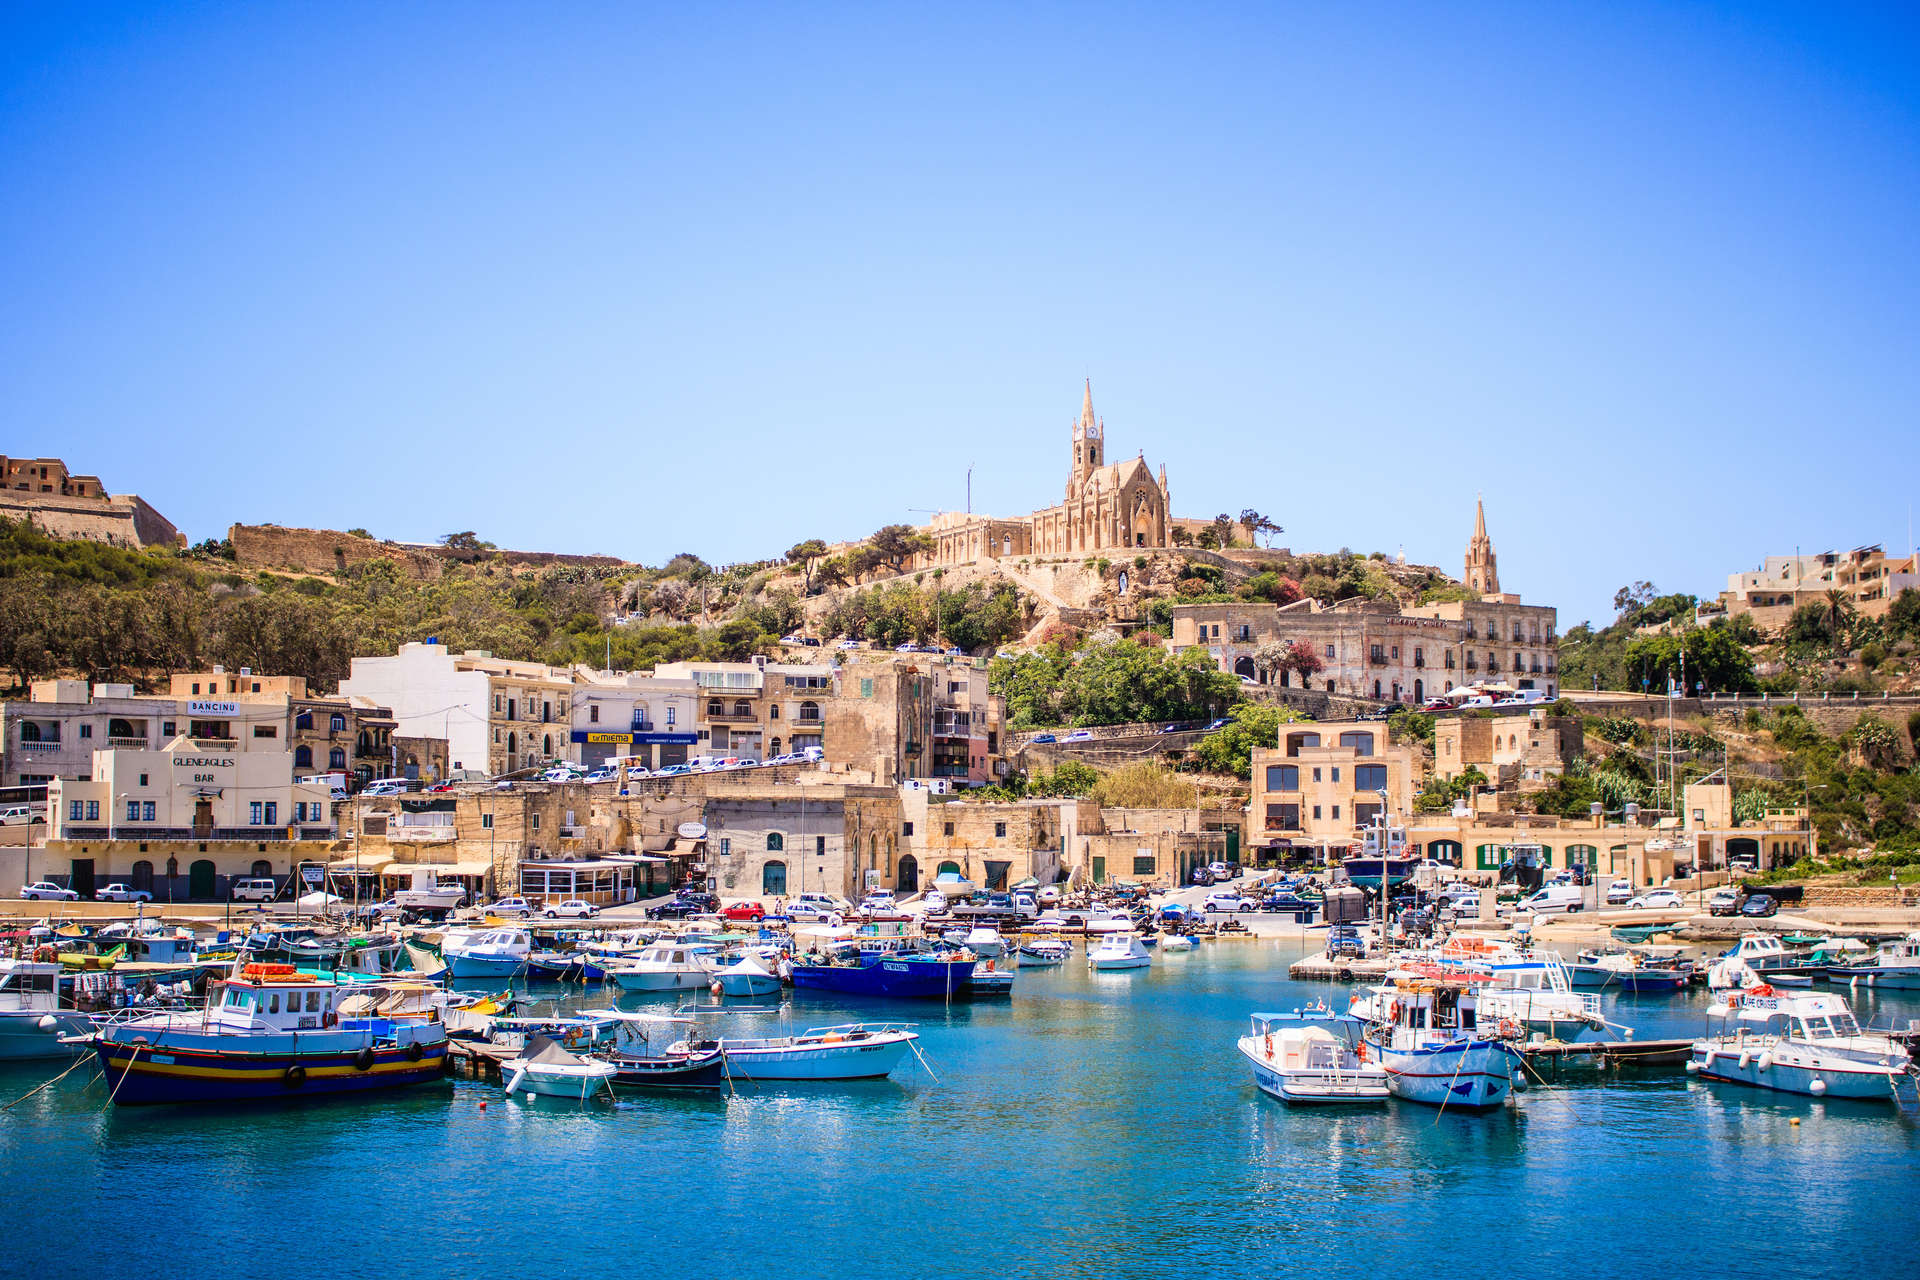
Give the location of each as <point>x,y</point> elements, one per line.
<point>1326,968</point>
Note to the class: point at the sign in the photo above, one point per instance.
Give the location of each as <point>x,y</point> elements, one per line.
<point>625,739</point>
<point>195,707</point>
<point>692,831</point>
<point>313,875</point>
<point>666,739</point>
<point>198,770</point>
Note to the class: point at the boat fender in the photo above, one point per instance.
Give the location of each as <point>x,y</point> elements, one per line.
<point>1519,1082</point>
<point>1766,1062</point>
<point>714,988</point>
<point>329,1018</point>
<point>1746,1059</point>
<point>1706,1059</point>
<point>415,1052</point>
<point>1692,1067</point>
<point>363,1060</point>
<point>47,1022</point>
<point>295,1077</point>
<point>1817,1088</point>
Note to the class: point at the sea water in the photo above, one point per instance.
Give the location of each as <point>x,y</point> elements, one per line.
<point>1093,1125</point>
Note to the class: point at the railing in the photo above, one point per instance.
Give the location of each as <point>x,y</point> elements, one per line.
<point>1377,659</point>
<point>84,833</point>
<point>126,742</point>
<point>815,720</point>
<point>43,746</point>
<point>640,726</point>
<point>731,715</point>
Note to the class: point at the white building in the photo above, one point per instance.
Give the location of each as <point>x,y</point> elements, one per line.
<point>626,713</point>
<point>497,715</point>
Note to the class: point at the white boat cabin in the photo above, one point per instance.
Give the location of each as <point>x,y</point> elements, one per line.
<point>270,997</point>
<point>29,986</point>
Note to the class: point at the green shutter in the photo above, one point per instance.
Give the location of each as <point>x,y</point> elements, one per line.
<point>866,686</point>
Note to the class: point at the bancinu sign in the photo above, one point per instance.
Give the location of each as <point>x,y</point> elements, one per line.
<point>196,708</point>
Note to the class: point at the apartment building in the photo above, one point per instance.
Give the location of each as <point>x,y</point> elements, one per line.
<point>1324,783</point>
<point>1866,576</point>
<point>497,716</point>
<point>57,729</point>
<point>772,840</point>
<point>349,736</point>
<point>651,718</point>
<point>758,709</point>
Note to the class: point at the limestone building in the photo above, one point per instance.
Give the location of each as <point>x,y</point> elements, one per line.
<point>1108,506</point>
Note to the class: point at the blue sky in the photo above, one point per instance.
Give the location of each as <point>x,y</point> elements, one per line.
<point>715,278</point>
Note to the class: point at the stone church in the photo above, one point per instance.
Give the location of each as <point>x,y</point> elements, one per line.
<point>1109,506</point>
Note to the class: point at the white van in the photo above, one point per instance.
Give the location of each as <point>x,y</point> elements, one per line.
<point>1554,898</point>
<point>261,890</point>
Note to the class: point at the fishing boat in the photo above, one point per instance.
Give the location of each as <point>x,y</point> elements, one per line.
<point>556,966</point>
<point>1527,991</point>
<point>984,942</point>
<point>552,1072</point>
<point>665,966</point>
<point>637,1065</point>
<point>849,1051</point>
<point>32,1023</point>
<point>847,970</point>
<point>270,1032</point>
<point>486,953</point>
<point>1805,1044</point>
<point>1896,966</point>
<point>1119,951</point>
<point>1433,1046</point>
<point>1045,951</point>
<point>1625,971</point>
<point>746,977</point>
<point>989,980</point>
<point>1752,958</point>
<point>1299,1058</point>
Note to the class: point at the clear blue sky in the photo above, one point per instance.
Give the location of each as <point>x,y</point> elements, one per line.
<point>715,278</point>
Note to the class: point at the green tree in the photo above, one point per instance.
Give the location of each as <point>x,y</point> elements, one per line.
<point>1249,725</point>
<point>806,555</point>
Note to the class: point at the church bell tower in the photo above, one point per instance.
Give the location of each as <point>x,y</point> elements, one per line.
<point>1089,446</point>
<point>1483,575</point>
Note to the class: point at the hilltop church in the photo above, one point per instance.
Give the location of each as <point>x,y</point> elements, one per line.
<point>1108,506</point>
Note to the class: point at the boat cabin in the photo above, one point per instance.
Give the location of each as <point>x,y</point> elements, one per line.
<point>1816,1017</point>
<point>1433,1004</point>
<point>29,986</point>
<point>1756,947</point>
<point>277,997</point>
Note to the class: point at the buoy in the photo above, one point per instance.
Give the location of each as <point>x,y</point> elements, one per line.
<point>483,1104</point>
<point>1818,1087</point>
<point>1795,1122</point>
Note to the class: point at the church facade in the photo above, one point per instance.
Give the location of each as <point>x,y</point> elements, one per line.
<point>1108,507</point>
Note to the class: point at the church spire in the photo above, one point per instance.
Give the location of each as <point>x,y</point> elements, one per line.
<point>1482,572</point>
<point>1089,450</point>
<point>1479,518</point>
<point>1086,408</point>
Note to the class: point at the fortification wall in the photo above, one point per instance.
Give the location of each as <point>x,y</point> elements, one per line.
<point>328,551</point>
<point>121,521</point>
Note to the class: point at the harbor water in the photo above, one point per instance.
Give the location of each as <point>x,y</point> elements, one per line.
<point>1093,1125</point>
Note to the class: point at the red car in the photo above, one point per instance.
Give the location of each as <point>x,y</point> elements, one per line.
<point>745,911</point>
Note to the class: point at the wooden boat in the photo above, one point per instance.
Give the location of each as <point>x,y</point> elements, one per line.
<point>1433,1047</point>
<point>1044,951</point>
<point>850,1051</point>
<point>1299,1058</point>
<point>897,976</point>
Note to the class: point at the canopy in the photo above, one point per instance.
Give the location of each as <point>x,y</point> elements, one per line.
<point>316,901</point>
<point>541,1049</point>
<point>365,866</point>
<point>477,867</point>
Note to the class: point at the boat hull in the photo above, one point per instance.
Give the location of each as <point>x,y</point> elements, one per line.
<point>889,978</point>
<point>660,979</point>
<point>1837,1079</point>
<point>23,1039</point>
<point>853,1061</point>
<point>748,984</point>
<point>141,1075</point>
<point>1313,1087</point>
<point>465,966</point>
<point>694,1071</point>
<point>1119,963</point>
<point>1475,1074</point>
<point>574,1086</point>
<point>1902,978</point>
<point>1638,981</point>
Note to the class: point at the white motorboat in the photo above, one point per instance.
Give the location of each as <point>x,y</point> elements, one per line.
<point>31,1019</point>
<point>984,942</point>
<point>486,953</point>
<point>1806,1044</point>
<point>1298,1058</point>
<point>1531,991</point>
<point>1119,951</point>
<point>747,977</point>
<point>1896,965</point>
<point>550,1070</point>
<point>1431,1041</point>
<point>664,966</point>
<point>1747,962</point>
<point>1174,942</point>
<point>1045,951</point>
<point>850,1051</point>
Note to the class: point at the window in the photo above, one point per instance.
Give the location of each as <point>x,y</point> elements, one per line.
<point>999,831</point>
<point>776,843</point>
<point>266,731</point>
<point>1336,813</point>
<point>146,811</point>
<point>1283,817</point>
<point>253,813</point>
<point>1283,777</point>
<point>1359,741</point>
<point>337,723</point>
<point>1145,866</point>
<point>496,704</point>
<point>1336,774</point>
<point>947,829</point>
<point>1364,814</point>
<point>337,758</point>
<point>143,779</point>
<point>166,727</point>
<point>133,811</point>
<point>536,822</point>
<point>715,707</point>
<point>86,731</point>
<point>304,720</point>
<point>273,813</point>
<point>1329,650</point>
<point>820,846</point>
<point>866,686</point>
<point>196,688</point>
<point>773,711</point>
<point>593,714</point>
<point>906,828</point>
<point>773,878</point>
<point>1370,777</point>
<point>809,711</point>
<point>1316,813</point>
<point>670,711</point>
<point>1316,773</point>
<point>93,811</point>
<point>302,757</point>
<point>299,810</point>
<point>486,822</point>
<point>74,809</point>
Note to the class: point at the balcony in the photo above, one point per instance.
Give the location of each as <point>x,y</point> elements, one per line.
<point>640,726</point>
<point>422,834</point>
<point>731,715</point>
<point>812,721</point>
<point>1419,663</point>
<point>135,744</point>
<point>1377,659</point>
<point>1536,669</point>
<point>40,747</point>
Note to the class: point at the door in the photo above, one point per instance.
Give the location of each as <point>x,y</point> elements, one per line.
<point>200,879</point>
<point>773,879</point>
<point>202,819</point>
<point>908,876</point>
<point>82,880</point>
<point>1099,869</point>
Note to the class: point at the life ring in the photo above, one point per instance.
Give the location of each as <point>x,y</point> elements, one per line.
<point>363,1060</point>
<point>329,1018</point>
<point>295,1077</point>
<point>415,1052</point>
<point>1269,1044</point>
<point>1393,1011</point>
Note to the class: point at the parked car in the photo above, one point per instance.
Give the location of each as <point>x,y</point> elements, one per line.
<point>601,775</point>
<point>908,647</point>
<point>1214,725</point>
<point>440,788</point>
<point>121,892</point>
<point>1345,940</point>
<point>745,911</point>
<point>18,815</point>
<point>1658,900</point>
<point>1202,876</point>
<point>1724,902</point>
<point>792,639</point>
<point>1551,899</point>
<point>1040,738</point>
<point>258,889</point>
<point>1759,904</point>
<point>573,908</point>
<point>45,889</point>
<point>1230,903</point>
<point>1619,893</point>
<point>822,908</point>
<point>845,645</point>
<point>511,907</point>
<point>1079,735</point>
<point>385,787</point>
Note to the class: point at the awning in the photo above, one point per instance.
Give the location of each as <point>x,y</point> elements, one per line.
<point>646,857</point>
<point>476,868</point>
<point>684,848</point>
<point>366,866</point>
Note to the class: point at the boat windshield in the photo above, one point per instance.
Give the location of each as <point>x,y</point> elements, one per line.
<point>1822,1027</point>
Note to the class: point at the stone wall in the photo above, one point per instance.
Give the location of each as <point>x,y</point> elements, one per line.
<point>327,551</point>
<point>122,520</point>
<point>1873,895</point>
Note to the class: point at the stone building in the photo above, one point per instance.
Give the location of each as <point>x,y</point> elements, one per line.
<point>1866,576</point>
<point>994,845</point>
<point>350,736</point>
<point>926,717</point>
<point>770,840</point>
<point>652,719</point>
<point>53,499</point>
<point>1516,752</point>
<point>1108,506</point>
<point>755,710</point>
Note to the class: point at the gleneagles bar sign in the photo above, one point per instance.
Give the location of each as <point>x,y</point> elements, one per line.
<point>203,766</point>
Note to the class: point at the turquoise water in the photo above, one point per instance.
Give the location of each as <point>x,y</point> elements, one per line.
<point>1096,1125</point>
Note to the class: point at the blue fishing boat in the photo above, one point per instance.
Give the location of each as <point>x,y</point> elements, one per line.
<point>271,1032</point>
<point>894,976</point>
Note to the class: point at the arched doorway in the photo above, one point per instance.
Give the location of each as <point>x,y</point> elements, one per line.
<point>953,867</point>
<point>513,746</point>
<point>143,876</point>
<point>1243,667</point>
<point>1744,847</point>
<point>1445,851</point>
<point>773,878</point>
<point>909,874</point>
<point>1420,692</point>
<point>262,869</point>
<point>200,879</point>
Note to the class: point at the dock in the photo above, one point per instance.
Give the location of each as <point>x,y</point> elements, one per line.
<point>1325,968</point>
